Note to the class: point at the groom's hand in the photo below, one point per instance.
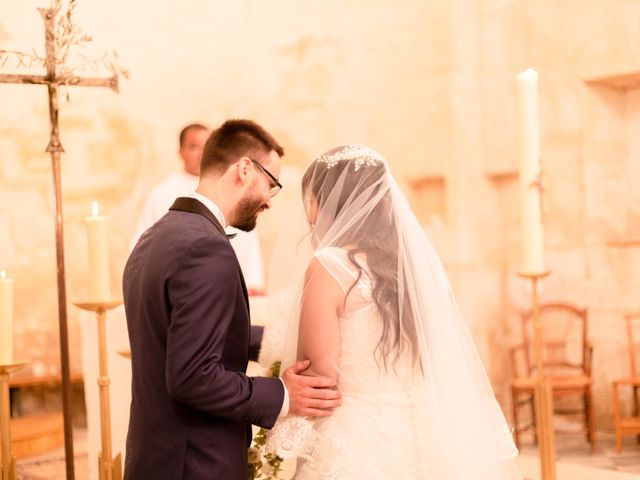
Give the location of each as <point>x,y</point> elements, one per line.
<point>310,396</point>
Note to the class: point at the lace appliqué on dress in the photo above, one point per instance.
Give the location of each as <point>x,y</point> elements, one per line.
<point>292,437</point>
<point>365,286</point>
<point>329,461</point>
<point>324,457</point>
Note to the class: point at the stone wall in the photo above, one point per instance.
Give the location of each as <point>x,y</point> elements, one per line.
<point>428,84</point>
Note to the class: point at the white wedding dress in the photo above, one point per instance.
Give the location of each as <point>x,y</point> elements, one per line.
<point>381,429</point>
<point>433,419</point>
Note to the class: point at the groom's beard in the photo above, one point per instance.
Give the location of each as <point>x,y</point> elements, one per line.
<point>247,213</point>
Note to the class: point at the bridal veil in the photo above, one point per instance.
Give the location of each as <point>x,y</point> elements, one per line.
<point>358,202</point>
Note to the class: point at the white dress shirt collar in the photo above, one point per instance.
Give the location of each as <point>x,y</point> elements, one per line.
<point>211,206</point>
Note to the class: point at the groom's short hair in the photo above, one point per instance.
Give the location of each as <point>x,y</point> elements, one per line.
<point>235,139</point>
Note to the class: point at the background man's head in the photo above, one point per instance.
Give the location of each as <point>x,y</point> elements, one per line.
<point>192,140</point>
<point>250,156</point>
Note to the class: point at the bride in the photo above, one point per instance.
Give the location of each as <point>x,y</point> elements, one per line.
<point>376,313</point>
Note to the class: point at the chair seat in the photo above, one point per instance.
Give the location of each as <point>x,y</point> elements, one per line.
<point>557,383</point>
<point>627,381</point>
<point>37,434</point>
<point>630,422</point>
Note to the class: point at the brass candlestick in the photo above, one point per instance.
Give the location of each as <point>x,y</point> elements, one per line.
<point>8,460</point>
<point>543,390</point>
<point>109,468</point>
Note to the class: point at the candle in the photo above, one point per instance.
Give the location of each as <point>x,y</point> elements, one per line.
<point>530,187</point>
<point>6,319</point>
<point>99,283</point>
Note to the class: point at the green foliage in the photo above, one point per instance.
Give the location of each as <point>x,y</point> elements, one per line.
<point>264,466</point>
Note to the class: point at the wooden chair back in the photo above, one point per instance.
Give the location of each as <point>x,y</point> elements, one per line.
<point>633,342</point>
<point>566,349</point>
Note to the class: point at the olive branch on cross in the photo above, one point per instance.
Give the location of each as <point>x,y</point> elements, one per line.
<point>63,40</point>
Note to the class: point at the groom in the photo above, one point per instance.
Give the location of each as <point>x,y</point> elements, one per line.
<point>188,317</point>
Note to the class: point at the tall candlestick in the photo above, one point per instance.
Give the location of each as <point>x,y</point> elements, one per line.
<point>109,467</point>
<point>6,319</point>
<point>530,173</point>
<point>99,283</point>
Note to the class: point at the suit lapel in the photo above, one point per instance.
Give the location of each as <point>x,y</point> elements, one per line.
<point>192,205</point>
<point>188,204</point>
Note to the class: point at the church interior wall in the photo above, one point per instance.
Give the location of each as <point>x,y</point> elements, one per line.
<point>428,84</point>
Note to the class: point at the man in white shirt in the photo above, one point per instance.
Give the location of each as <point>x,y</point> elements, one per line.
<point>245,244</point>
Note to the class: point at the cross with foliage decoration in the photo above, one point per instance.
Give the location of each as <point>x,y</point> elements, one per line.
<point>62,36</point>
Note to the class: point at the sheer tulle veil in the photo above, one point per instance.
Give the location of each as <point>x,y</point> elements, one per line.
<point>357,205</point>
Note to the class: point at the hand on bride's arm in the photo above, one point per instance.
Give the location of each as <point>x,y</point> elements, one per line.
<point>310,396</point>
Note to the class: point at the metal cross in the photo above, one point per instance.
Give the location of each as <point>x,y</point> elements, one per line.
<point>53,79</point>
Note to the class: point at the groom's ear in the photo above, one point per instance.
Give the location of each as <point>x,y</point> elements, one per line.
<point>244,171</point>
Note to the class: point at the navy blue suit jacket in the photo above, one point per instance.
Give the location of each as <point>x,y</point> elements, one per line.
<point>188,317</point>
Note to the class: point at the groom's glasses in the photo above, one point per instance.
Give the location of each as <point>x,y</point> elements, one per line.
<point>276,186</point>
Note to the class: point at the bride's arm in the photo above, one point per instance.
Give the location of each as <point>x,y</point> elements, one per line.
<point>319,334</point>
<point>318,341</point>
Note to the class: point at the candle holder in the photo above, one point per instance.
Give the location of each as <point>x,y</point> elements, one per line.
<point>8,468</point>
<point>109,468</point>
<point>543,392</point>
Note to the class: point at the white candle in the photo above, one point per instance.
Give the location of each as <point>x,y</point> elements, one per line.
<point>99,283</point>
<point>530,194</point>
<point>6,319</point>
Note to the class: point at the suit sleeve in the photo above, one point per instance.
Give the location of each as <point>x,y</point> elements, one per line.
<point>203,298</point>
<point>255,342</point>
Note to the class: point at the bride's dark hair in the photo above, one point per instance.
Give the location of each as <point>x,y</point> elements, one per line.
<point>375,235</point>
